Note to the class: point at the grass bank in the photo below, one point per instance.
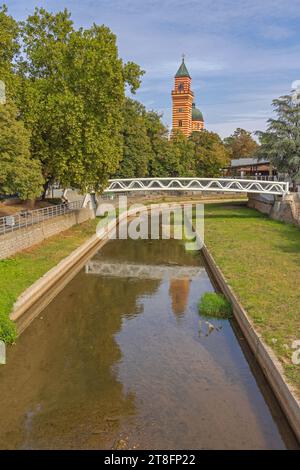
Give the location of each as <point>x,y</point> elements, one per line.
<point>22,270</point>
<point>260,259</point>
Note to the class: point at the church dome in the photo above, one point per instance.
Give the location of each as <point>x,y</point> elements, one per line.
<point>196,114</point>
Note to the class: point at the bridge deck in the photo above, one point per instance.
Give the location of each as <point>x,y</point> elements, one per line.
<point>198,184</point>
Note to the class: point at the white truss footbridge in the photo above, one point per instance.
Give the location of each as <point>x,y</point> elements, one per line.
<point>124,185</point>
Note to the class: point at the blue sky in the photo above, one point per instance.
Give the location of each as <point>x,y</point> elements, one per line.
<point>241,54</point>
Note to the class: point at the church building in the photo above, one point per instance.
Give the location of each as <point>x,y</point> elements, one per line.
<point>185,116</point>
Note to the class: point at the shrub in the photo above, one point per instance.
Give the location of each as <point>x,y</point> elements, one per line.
<point>8,330</point>
<point>216,305</point>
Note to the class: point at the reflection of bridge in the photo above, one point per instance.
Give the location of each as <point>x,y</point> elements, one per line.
<point>197,184</point>
<point>142,271</point>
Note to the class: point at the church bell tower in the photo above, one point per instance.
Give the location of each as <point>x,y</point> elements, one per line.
<point>182,101</point>
<point>185,116</point>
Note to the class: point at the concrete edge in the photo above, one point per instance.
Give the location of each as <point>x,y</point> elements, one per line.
<point>264,355</point>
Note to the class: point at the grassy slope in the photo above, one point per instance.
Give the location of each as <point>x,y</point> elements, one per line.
<point>260,259</point>
<point>19,272</point>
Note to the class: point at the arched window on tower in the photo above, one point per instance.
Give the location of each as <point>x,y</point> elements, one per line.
<point>180,123</point>
<point>180,86</point>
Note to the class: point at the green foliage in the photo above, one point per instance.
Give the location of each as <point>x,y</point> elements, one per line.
<point>9,48</point>
<point>215,305</point>
<point>210,154</point>
<point>137,149</point>
<point>183,155</point>
<point>132,74</point>
<point>173,157</point>
<point>241,144</point>
<point>72,96</point>
<point>8,330</point>
<point>19,173</point>
<point>281,142</point>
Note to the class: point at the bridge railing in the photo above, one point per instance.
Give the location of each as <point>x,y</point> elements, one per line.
<point>27,218</point>
<point>241,185</point>
<point>256,177</point>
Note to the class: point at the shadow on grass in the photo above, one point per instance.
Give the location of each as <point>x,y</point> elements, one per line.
<point>233,216</point>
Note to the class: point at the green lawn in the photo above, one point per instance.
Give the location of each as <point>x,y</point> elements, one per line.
<point>19,272</point>
<point>260,259</point>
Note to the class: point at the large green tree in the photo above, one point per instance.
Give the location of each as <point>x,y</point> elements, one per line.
<point>281,141</point>
<point>19,173</point>
<point>241,144</point>
<point>9,48</point>
<point>73,91</point>
<point>137,149</point>
<point>211,155</point>
<point>174,157</point>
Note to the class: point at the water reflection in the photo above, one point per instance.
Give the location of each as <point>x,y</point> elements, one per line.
<point>179,292</point>
<point>108,364</point>
<point>60,387</point>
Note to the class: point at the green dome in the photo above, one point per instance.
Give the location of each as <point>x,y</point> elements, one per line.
<point>196,114</point>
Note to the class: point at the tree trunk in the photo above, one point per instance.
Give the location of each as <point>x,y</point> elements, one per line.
<point>30,203</point>
<point>46,187</point>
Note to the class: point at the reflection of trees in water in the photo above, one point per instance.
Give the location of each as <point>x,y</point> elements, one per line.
<point>179,290</point>
<point>65,385</point>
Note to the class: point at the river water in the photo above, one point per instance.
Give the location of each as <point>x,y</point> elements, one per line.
<point>121,359</point>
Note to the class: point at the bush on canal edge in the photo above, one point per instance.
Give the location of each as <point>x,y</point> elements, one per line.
<point>215,305</point>
<point>8,330</point>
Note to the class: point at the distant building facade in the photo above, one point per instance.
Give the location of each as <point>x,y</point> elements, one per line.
<point>185,116</point>
<point>246,167</point>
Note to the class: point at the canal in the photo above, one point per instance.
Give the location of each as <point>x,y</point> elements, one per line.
<point>121,359</point>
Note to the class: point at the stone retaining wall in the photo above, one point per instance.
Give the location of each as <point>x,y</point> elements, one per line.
<point>13,242</point>
<point>285,209</point>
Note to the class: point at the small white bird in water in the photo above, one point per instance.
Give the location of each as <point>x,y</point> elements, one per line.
<point>210,327</point>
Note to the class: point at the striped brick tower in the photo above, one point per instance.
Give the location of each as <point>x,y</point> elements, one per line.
<point>185,116</point>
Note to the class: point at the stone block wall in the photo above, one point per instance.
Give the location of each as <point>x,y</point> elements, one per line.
<point>285,209</point>
<point>19,240</point>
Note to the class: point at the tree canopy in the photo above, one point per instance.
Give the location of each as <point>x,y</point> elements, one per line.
<point>241,144</point>
<point>72,98</point>
<point>74,122</point>
<point>19,173</point>
<point>137,149</point>
<point>9,48</point>
<point>281,141</point>
<point>211,155</point>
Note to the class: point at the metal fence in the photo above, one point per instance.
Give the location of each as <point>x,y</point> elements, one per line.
<point>257,177</point>
<point>27,218</point>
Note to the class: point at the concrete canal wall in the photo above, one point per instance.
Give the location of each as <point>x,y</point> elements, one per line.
<point>18,240</point>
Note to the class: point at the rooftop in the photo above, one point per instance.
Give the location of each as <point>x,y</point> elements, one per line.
<point>248,161</point>
<point>182,71</point>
